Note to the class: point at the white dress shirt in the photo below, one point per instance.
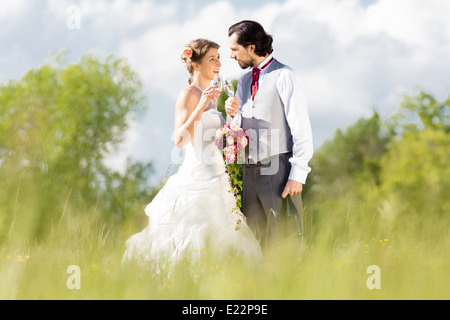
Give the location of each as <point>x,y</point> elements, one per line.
<point>291,91</point>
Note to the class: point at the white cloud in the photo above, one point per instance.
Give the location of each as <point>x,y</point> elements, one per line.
<point>11,10</point>
<point>125,15</point>
<point>415,22</point>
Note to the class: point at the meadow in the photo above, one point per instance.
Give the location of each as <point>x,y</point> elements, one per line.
<point>333,264</point>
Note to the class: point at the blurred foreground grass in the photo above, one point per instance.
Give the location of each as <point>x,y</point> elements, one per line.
<point>333,264</point>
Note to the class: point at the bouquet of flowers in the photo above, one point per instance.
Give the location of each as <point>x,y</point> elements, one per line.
<point>232,140</point>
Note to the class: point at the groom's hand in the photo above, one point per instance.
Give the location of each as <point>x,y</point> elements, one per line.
<point>232,106</point>
<point>292,188</point>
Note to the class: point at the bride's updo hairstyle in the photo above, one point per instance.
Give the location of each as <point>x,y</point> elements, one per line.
<point>195,51</point>
<point>251,32</point>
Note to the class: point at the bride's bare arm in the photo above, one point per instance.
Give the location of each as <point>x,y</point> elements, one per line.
<point>188,111</point>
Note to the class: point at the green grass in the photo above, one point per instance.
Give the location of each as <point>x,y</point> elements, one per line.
<point>338,248</point>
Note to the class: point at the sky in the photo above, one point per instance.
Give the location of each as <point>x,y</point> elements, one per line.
<point>353,56</point>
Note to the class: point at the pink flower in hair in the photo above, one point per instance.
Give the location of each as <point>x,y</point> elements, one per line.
<point>187,53</point>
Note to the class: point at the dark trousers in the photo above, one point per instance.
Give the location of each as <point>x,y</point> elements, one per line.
<point>262,204</point>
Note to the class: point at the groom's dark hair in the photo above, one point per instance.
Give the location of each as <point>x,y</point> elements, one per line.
<point>251,32</point>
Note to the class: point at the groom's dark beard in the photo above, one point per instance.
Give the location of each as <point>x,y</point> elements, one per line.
<point>243,65</point>
<point>247,64</point>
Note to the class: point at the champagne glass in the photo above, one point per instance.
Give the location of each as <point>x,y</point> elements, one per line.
<point>229,90</point>
<point>228,87</point>
<point>217,82</point>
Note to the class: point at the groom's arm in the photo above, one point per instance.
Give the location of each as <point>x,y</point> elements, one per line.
<point>292,94</point>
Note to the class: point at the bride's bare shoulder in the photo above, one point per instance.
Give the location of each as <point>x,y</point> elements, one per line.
<point>188,95</point>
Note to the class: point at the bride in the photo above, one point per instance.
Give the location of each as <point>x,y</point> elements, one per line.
<point>192,215</point>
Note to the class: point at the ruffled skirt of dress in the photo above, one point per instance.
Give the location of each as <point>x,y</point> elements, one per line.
<point>193,215</point>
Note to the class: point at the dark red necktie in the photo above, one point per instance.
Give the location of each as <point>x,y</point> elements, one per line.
<point>255,78</point>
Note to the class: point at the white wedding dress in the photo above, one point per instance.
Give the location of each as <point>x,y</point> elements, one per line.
<point>193,214</point>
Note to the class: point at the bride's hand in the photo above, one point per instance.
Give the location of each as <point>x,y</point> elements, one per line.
<point>209,95</point>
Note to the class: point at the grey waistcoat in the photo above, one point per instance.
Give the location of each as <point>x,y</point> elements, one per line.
<point>264,119</point>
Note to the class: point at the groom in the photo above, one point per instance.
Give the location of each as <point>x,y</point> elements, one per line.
<point>270,106</point>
